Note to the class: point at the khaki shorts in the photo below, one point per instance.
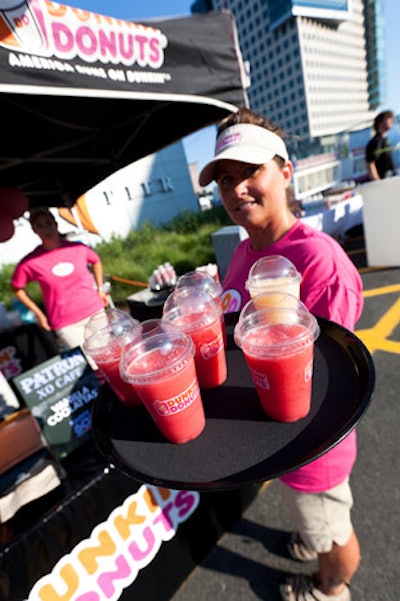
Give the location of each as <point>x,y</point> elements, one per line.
<point>72,336</point>
<point>321,518</point>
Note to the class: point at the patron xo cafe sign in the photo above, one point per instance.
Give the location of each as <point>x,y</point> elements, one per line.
<point>60,392</point>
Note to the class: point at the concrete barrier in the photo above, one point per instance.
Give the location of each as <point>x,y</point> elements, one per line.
<point>224,242</point>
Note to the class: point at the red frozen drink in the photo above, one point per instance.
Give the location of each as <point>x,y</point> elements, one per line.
<point>210,355</point>
<point>280,360</point>
<point>199,316</point>
<point>161,368</point>
<point>108,364</point>
<point>104,347</point>
<point>202,280</point>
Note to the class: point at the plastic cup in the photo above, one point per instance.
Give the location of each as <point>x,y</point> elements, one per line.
<point>199,316</point>
<point>279,355</point>
<point>114,317</point>
<point>104,345</point>
<point>204,281</point>
<point>273,301</point>
<point>161,369</point>
<point>273,274</point>
<point>201,280</point>
<point>210,269</point>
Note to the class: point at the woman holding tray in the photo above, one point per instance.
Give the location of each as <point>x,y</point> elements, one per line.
<point>252,169</point>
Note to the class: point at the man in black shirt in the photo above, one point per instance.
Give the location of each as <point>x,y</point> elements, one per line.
<point>378,153</point>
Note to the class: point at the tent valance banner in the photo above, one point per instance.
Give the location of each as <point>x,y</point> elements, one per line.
<point>86,94</point>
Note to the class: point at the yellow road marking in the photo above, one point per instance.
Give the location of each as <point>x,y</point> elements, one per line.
<point>382,290</point>
<point>371,269</point>
<point>377,337</point>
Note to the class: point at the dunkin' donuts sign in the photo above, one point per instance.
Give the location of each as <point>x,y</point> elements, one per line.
<point>101,567</point>
<point>47,29</point>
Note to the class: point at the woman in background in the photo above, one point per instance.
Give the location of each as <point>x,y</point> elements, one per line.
<point>71,294</point>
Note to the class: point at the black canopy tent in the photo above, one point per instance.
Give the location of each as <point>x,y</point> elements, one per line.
<point>81,96</point>
<point>84,95</point>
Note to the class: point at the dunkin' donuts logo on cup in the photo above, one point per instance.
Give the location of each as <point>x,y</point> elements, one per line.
<point>210,349</point>
<point>260,380</point>
<point>179,402</point>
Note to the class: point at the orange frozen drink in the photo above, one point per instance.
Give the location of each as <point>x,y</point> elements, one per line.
<point>275,301</point>
<point>273,274</point>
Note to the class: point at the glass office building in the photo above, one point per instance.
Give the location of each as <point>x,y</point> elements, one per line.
<point>376,57</point>
<point>316,66</point>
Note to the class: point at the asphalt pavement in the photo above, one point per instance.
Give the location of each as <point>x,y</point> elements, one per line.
<point>250,561</point>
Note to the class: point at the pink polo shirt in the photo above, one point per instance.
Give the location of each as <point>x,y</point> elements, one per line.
<point>331,288</point>
<point>68,287</point>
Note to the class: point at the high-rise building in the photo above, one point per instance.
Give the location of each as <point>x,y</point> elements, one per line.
<point>375,44</point>
<point>314,66</point>
<point>316,69</point>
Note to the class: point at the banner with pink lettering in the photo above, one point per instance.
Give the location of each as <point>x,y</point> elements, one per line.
<point>86,94</point>
<point>111,539</point>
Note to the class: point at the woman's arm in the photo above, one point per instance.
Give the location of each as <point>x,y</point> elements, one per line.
<point>30,304</point>
<point>98,278</point>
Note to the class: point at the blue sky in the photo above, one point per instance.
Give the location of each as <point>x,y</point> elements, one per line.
<point>199,147</point>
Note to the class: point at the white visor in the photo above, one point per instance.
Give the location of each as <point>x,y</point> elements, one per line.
<point>246,143</point>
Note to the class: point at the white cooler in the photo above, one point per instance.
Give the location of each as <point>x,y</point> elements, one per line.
<point>381,217</point>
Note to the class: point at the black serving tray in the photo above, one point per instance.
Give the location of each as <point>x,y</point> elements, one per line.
<point>240,446</point>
